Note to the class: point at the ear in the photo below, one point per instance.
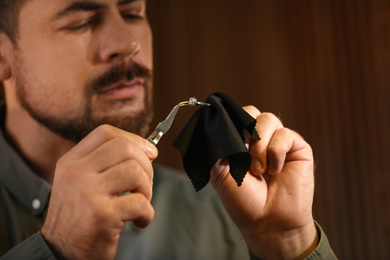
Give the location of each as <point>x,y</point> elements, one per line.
<point>5,44</point>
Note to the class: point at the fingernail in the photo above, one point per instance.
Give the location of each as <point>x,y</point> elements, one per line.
<point>151,150</point>
<point>271,169</point>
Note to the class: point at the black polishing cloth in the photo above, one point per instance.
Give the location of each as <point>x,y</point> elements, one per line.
<point>212,133</point>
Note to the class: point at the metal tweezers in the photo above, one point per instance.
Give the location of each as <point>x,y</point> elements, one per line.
<point>164,126</point>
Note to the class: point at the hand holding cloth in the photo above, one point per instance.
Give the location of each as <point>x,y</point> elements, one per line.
<point>215,132</point>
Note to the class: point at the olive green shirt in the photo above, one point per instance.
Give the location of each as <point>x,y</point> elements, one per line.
<point>188,225</point>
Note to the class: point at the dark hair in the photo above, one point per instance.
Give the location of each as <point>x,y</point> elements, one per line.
<point>9,10</point>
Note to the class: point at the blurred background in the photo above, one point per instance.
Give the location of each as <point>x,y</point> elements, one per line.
<point>323,66</point>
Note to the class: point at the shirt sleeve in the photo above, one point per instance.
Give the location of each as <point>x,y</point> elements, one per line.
<point>34,248</point>
<point>322,252</point>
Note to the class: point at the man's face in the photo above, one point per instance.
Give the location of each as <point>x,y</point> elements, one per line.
<point>82,63</point>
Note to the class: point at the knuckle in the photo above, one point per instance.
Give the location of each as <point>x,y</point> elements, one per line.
<point>142,203</point>
<point>139,177</point>
<point>252,110</point>
<point>65,170</point>
<point>121,142</point>
<point>132,165</point>
<point>104,130</point>
<point>250,107</point>
<point>267,115</point>
<point>309,149</point>
<point>61,163</point>
<point>127,146</point>
<point>284,131</point>
<point>271,117</point>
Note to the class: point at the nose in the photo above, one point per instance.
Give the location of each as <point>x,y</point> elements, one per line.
<point>118,40</point>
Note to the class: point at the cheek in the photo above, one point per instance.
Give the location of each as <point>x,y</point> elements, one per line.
<point>49,87</point>
<point>55,77</point>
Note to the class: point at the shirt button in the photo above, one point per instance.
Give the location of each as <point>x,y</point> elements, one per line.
<point>36,204</point>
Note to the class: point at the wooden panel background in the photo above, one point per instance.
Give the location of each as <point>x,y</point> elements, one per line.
<point>323,66</point>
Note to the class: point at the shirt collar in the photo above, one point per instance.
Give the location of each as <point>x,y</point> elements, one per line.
<point>28,188</point>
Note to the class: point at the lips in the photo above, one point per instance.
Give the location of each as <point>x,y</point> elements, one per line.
<point>124,90</point>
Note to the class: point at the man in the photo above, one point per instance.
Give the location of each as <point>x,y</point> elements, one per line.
<point>77,78</point>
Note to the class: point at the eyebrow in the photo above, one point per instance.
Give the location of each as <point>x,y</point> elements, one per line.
<point>86,6</point>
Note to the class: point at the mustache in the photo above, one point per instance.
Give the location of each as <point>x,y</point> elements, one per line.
<point>120,72</point>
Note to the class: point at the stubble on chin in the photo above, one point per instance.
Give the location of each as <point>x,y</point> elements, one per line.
<point>77,126</point>
<point>136,119</point>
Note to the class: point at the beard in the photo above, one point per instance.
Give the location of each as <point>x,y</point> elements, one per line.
<point>78,126</point>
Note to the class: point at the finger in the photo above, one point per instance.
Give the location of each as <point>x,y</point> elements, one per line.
<point>267,125</point>
<point>253,111</point>
<point>128,176</point>
<point>116,151</point>
<point>105,133</point>
<point>238,200</point>
<point>134,207</point>
<point>285,146</point>
<point>256,165</point>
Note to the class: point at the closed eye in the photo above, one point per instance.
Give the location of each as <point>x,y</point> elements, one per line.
<point>133,16</point>
<point>79,27</point>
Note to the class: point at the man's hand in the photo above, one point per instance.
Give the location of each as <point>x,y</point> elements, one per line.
<point>273,206</point>
<point>104,181</point>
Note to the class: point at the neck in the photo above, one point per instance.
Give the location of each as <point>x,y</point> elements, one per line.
<point>40,147</point>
